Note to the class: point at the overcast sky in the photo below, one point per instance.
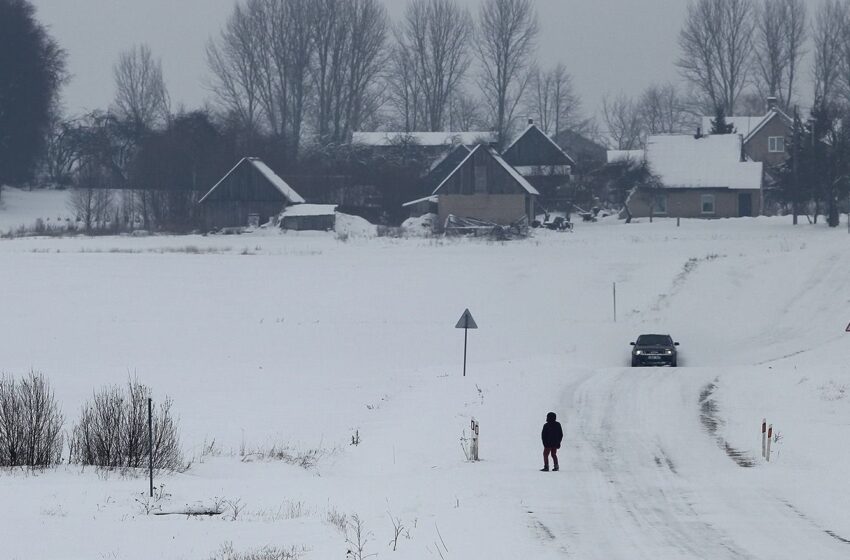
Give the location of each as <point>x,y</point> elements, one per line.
<point>608,45</point>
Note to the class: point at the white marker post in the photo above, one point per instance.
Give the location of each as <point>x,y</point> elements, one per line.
<point>763,438</point>
<point>769,437</point>
<point>473,447</point>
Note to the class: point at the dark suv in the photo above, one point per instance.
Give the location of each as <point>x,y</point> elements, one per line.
<point>655,350</point>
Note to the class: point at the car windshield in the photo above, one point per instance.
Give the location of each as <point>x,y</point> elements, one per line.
<point>654,340</point>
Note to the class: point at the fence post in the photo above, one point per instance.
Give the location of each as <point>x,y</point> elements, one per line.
<point>615,302</point>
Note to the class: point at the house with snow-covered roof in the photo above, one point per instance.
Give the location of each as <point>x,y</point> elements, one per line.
<point>699,177</point>
<point>764,137</point>
<point>482,186</point>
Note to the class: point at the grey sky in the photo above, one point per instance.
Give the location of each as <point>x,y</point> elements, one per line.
<point>608,45</point>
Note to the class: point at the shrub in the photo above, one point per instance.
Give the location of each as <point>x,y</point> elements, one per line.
<point>30,423</point>
<point>113,430</point>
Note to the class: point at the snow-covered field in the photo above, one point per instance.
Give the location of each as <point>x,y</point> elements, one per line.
<point>304,340</point>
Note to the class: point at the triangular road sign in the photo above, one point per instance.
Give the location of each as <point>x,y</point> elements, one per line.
<point>848,328</point>
<point>466,321</point>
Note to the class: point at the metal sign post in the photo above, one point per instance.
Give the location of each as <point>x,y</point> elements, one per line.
<point>150,442</point>
<point>466,322</point>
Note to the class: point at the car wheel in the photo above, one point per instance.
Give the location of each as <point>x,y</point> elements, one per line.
<point>675,363</point>
<point>634,363</point>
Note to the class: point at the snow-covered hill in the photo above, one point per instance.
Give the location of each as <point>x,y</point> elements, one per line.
<point>306,341</point>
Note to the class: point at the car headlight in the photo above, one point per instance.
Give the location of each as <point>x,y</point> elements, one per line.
<point>668,352</point>
<point>639,352</point>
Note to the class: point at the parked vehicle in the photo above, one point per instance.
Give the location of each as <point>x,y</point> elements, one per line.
<point>655,350</point>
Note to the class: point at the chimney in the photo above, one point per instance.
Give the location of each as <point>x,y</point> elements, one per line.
<point>530,122</point>
<point>772,103</point>
<point>699,133</point>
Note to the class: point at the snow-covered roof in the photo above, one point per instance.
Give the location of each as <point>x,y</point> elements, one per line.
<point>432,199</point>
<point>622,156</point>
<point>746,126</point>
<point>523,182</point>
<point>297,210</point>
<point>423,138</point>
<point>682,161</point>
<point>272,177</point>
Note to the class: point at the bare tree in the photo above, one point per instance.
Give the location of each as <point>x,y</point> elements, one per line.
<point>465,114</point>
<point>112,430</point>
<point>370,28</point>
<point>664,111</point>
<point>434,35</point>
<point>30,423</point>
<point>405,93</point>
<point>141,97</point>
<point>235,61</point>
<point>91,199</point>
<point>553,100</point>
<point>828,33</point>
<point>716,44</point>
<point>625,124</point>
<point>505,42</point>
<point>780,36</point>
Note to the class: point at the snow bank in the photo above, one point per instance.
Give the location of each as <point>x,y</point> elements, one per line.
<point>354,226</point>
<point>421,226</point>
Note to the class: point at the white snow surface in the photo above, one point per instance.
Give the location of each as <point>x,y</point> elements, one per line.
<point>305,340</point>
<point>682,161</point>
<point>22,208</point>
<point>309,210</point>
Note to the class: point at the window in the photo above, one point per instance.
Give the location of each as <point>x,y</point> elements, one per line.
<point>660,206</point>
<point>776,144</point>
<point>481,178</point>
<point>707,203</point>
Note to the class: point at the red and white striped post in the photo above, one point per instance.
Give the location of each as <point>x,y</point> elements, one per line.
<point>769,437</point>
<point>763,438</point>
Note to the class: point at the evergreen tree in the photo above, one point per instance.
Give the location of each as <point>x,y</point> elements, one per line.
<point>719,124</point>
<point>32,68</point>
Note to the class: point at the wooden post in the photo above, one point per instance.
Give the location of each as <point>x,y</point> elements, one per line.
<point>465,335</point>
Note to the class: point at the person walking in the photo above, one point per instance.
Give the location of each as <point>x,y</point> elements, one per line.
<point>551,435</point>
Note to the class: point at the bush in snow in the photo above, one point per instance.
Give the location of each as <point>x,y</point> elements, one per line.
<point>227,552</point>
<point>113,430</point>
<point>30,423</point>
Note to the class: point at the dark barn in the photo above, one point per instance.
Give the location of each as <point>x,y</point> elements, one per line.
<point>250,192</point>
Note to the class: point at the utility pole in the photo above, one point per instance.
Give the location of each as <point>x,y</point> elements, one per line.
<point>796,195</point>
<point>150,442</point>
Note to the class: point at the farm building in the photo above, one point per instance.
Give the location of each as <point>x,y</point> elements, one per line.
<point>309,217</point>
<point>701,177</point>
<point>542,162</point>
<point>482,186</point>
<point>249,194</point>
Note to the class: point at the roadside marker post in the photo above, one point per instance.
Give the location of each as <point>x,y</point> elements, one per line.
<point>615,302</point>
<point>769,437</point>
<point>473,451</point>
<point>466,322</point>
<point>764,437</point>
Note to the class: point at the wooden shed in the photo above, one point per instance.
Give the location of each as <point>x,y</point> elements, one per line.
<point>542,162</point>
<point>249,193</point>
<point>484,187</point>
<point>309,217</point>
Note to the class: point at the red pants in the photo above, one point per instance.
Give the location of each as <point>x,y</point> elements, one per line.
<point>546,452</point>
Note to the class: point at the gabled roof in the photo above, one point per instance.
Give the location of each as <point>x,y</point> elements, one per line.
<point>683,161</point>
<point>748,127</point>
<point>441,168</point>
<point>272,177</point>
<point>533,130</point>
<point>433,139</point>
<point>495,155</point>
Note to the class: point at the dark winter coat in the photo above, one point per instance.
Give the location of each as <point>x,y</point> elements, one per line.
<point>552,434</point>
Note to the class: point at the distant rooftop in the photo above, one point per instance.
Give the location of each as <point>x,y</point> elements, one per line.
<point>424,138</point>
